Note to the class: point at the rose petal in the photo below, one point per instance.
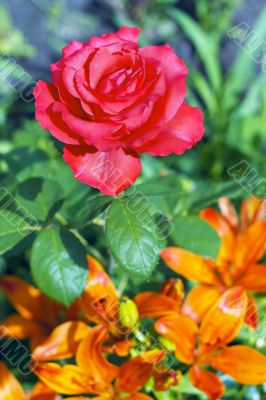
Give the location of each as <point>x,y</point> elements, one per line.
<point>125,33</point>
<point>110,172</point>
<point>174,71</point>
<point>178,135</point>
<point>46,97</point>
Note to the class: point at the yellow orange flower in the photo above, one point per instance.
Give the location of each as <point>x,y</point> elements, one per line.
<point>242,246</point>
<point>94,374</point>
<point>207,345</point>
<point>252,210</point>
<point>100,304</point>
<point>10,388</point>
<point>37,315</point>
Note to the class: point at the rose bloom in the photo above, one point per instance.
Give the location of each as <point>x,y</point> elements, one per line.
<point>110,101</point>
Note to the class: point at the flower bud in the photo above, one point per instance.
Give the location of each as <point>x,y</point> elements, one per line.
<point>165,381</point>
<point>166,343</point>
<point>174,288</point>
<point>128,313</point>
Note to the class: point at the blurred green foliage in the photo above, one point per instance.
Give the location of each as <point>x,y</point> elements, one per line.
<point>12,41</point>
<point>232,96</point>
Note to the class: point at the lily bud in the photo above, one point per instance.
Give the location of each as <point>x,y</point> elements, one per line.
<point>174,288</point>
<point>128,313</point>
<point>166,343</point>
<point>165,381</point>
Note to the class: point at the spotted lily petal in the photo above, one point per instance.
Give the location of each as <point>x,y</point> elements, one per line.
<point>63,341</point>
<point>90,358</point>
<point>224,320</point>
<point>99,300</point>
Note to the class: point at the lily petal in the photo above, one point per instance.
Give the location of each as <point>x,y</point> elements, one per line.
<point>182,331</point>
<point>208,382</point>
<point>254,278</point>
<point>229,212</point>
<point>223,322</point>
<point>143,367</point>
<point>199,301</point>
<point>252,313</point>
<point>245,365</point>
<point>28,300</point>
<point>155,305</point>
<point>139,396</point>
<point>99,301</point>
<point>23,328</point>
<point>189,265</point>
<point>252,210</point>
<point>63,342</point>
<point>90,358</point>
<point>249,247</point>
<point>224,230</point>
<point>10,388</point>
<point>68,379</point>
<point>43,392</point>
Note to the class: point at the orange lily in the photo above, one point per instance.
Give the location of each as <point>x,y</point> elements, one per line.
<point>252,210</point>
<point>242,245</point>
<point>94,374</point>
<point>10,388</point>
<point>207,345</point>
<point>159,304</point>
<point>99,303</point>
<point>37,315</point>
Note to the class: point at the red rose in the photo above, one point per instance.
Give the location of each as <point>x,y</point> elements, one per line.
<point>110,101</point>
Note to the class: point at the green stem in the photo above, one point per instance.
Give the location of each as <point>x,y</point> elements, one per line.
<point>82,239</point>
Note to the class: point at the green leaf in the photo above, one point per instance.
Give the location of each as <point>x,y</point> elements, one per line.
<point>162,192</point>
<point>207,195</point>
<point>59,265</point>
<point>23,162</point>
<point>205,45</point>
<point>244,68</point>
<point>41,198</point>
<point>203,89</point>
<point>133,236</point>
<point>83,206</point>
<point>196,235</point>
<point>13,228</point>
